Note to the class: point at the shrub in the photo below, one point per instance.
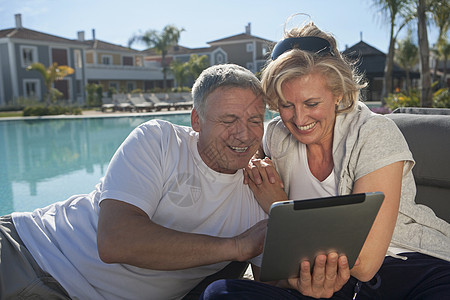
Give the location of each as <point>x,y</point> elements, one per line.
<point>41,110</point>
<point>136,91</point>
<point>441,98</point>
<point>181,89</point>
<point>401,99</point>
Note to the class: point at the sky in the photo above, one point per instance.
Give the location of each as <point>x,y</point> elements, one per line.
<point>202,20</point>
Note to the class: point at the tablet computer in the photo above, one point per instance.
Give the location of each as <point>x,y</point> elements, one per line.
<point>300,230</point>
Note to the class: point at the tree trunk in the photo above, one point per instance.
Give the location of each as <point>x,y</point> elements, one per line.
<point>388,69</point>
<point>408,81</point>
<point>164,70</point>
<point>436,63</point>
<point>444,76</point>
<point>424,52</point>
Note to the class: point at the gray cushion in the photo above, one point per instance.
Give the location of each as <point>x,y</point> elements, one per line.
<point>428,137</point>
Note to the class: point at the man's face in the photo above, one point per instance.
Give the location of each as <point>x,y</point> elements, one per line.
<point>231,130</point>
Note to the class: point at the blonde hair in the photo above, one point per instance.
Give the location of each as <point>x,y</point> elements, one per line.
<point>340,76</point>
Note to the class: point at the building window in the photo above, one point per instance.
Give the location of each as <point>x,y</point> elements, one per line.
<point>106,59</point>
<point>220,58</point>
<point>249,47</point>
<point>115,86</point>
<point>127,61</point>
<point>59,56</point>
<point>78,59</point>
<point>79,87</point>
<point>250,66</point>
<point>29,55</point>
<point>31,88</point>
<point>131,85</point>
<point>139,61</point>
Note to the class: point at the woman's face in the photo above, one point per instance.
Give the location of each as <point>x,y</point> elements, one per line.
<point>309,112</point>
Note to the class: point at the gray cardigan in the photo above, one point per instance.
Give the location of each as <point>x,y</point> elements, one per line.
<point>364,142</point>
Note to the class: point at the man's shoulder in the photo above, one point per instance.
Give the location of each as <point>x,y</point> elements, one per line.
<point>164,128</point>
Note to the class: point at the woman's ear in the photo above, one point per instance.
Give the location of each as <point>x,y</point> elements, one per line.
<point>195,120</point>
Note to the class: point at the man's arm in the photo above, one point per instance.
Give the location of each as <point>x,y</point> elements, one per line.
<point>127,235</point>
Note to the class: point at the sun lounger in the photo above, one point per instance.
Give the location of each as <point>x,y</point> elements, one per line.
<point>181,100</point>
<point>188,103</point>
<point>107,103</point>
<point>158,104</point>
<point>122,102</point>
<point>140,104</point>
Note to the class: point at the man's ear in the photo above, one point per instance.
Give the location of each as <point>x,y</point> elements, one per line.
<point>195,120</point>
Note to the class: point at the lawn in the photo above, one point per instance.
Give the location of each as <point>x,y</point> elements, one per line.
<point>4,114</point>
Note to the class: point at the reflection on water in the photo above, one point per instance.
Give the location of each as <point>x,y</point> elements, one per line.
<point>44,161</point>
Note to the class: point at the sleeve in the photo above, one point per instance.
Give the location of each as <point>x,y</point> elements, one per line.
<point>267,138</point>
<point>134,174</point>
<point>380,143</point>
<point>277,139</point>
<point>257,260</point>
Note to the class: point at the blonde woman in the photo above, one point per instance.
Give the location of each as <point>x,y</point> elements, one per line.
<point>327,143</point>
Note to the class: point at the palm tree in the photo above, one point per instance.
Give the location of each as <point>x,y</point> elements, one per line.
<point>50,75</point>
<point>161,42</point>
<point>179,71</point>
<point>393,10</point>
<point>441,17</point>
<point>426,95</point>
<point>197,64</point>
<point>445,54</point>
<point>407,56</point>
<point>441,52</point>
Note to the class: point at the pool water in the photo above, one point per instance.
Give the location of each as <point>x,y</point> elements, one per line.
<point>45,161</point>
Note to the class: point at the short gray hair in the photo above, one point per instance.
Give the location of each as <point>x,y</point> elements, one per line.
<point>226,75</point>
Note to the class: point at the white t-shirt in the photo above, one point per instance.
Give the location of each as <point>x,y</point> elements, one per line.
<point>303,184</point>
<point>159,170</point>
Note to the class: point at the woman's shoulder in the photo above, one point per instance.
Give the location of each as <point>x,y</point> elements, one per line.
<point>364,118</point>
<point>277,138</point>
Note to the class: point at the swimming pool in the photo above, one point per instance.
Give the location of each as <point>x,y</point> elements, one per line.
<point>45,161</point>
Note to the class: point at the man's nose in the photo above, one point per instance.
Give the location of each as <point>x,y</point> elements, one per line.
<point>242,131</point>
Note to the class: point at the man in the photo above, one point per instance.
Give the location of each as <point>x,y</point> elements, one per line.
<point>171,209</point>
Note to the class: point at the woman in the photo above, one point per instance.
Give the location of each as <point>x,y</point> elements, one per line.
<point>326,143</point>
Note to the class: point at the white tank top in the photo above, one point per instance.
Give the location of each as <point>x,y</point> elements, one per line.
<point>303,184</point>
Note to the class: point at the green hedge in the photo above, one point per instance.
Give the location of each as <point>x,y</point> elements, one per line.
<point>40,110</point>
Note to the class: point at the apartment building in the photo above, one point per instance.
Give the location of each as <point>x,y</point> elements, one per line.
<point>20,47</point>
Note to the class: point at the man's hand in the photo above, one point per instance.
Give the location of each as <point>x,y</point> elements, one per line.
<point>330,274</point>
<point>251,242</point>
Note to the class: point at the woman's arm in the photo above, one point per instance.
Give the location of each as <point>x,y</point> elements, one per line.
<point>389,181</point>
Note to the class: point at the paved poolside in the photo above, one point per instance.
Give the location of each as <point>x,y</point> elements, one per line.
<point>99,114</point>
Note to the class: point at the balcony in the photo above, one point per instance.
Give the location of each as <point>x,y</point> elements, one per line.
<point>120,72</point>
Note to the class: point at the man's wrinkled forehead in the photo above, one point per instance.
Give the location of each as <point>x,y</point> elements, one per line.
<point>255,100</point>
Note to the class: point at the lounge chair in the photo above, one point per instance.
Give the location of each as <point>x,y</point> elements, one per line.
<point>107,103</point>
<point>188,103</point>
<point>181,100</point>
<point>140,104</point>
<point>158,104</point>
<point>122,102</point>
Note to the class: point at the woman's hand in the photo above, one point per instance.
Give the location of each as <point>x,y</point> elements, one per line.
<point>265,182</point>
<point>330,273</point>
